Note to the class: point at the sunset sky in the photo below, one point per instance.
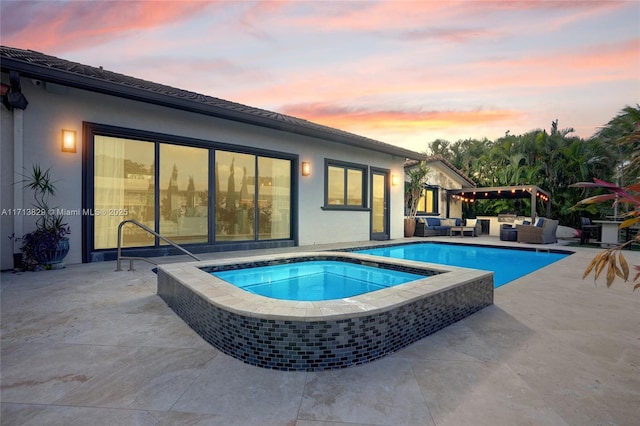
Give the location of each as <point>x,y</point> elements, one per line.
<point>402,72</point>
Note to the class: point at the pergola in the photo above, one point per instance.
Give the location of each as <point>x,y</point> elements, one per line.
<point>471,195</point>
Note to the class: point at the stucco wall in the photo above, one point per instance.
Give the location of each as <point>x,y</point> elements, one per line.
<point>6,187</point>
<point>443,177</point>
<point>49,112</point>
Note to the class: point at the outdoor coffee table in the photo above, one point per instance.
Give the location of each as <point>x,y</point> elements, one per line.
<point>462,230</point>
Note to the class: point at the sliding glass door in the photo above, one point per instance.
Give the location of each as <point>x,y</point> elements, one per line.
<point>169,188</point>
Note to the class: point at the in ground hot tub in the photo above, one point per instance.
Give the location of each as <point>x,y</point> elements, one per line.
<point>325,334</point>
<point>316,280</point>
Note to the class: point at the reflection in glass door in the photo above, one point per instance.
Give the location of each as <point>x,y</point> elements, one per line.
<point>122,189</point>
<point>184,193</point>
<point>175,189</point>
<point>379,204</point>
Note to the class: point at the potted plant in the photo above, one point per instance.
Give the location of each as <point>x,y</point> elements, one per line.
<point>412,194</point>
<point>48,245</point>
<point>17,255</point>
<point>629,196</point>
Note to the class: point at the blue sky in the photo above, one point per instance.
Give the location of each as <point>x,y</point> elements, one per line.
<point>402,72</point>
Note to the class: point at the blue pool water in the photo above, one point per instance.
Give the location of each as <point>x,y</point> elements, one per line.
<point>507,264</point>
<point>315,280</point>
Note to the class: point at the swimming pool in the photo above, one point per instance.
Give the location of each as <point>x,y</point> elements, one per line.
<point>507,264</point>
<point>315,280</point>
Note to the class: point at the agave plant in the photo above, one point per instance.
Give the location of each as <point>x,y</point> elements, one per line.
<point>612,258</point>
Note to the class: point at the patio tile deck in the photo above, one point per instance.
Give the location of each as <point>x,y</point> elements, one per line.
<point>87,345</point>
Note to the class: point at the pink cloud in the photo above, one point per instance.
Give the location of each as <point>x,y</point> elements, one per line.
<point>413,120</point>
<point>605,62</point>
<point>374,81</point>
<point>383,16</point>
<point>51,27</point>
<point>457,35</point>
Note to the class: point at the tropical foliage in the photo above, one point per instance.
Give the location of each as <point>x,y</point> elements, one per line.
<point>415,186</point>
<point>42,245</point>
<point>552,160</point>
<point>613,258</point>
<point>555,161</point>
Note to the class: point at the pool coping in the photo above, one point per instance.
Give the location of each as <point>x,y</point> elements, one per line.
<point>228,297</point>
<point>533,248</point>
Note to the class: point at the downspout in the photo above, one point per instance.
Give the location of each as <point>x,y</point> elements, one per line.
<point>18,164</point>
<point>15,101</point>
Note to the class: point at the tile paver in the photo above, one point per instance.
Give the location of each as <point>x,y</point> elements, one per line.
<point>88,345</point>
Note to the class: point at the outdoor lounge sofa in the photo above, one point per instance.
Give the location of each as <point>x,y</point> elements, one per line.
<point>434,226</point>
<point>543,232</point>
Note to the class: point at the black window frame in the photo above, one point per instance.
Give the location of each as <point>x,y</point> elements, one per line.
<point>436,191</point>
<point>90,254</point>
<point>362,168</point>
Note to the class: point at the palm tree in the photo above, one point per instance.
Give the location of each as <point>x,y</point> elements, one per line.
<point>622,133</point>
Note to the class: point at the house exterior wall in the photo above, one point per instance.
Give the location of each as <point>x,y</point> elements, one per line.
<point>52,108</point>
<point>443,177</point>
<point>6,186</point>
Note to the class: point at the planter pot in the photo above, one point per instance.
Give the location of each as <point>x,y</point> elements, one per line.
<point>17,260</point>
<point>52,255</point>
<point>409,227</point>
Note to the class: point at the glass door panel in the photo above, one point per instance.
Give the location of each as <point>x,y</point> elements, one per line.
<point>274,198</point>
<point>123,189</point>
<point>184,193</point>
<point>379,201</point>
<point>235,196</point>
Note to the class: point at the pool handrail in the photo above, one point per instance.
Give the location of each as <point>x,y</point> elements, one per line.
<point>151,231</point>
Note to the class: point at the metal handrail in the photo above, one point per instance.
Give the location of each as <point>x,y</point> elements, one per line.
<point>151,231</point>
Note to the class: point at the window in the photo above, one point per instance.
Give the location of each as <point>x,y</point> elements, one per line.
<point>345,185</point>
<point>175,186</point>
<point>428,203</point>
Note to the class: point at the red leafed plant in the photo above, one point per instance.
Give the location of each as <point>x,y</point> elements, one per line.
<point>613,258</point>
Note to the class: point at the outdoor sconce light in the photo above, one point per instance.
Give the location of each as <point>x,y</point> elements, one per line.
<point>306,168</point>
<point>68,140</point>
<point>394,180</point>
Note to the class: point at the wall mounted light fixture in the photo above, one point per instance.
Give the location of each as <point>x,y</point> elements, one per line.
<point>306,168</point>
<point>69,143</point>
<point>394,180</point>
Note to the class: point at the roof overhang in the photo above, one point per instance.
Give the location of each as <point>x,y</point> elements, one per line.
<point>454,174</point>
<point>200,104</point>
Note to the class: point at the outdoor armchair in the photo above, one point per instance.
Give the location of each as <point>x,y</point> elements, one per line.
<point>544,232</point>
